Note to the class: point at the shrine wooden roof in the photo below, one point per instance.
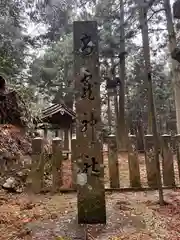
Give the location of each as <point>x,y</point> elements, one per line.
<point>57,108</point>
<point>58,114</point>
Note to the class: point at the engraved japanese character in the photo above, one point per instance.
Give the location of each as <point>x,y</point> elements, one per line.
<point>86,45</point>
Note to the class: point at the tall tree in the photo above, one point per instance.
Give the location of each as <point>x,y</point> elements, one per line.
<point>152,124</point>
<point>174,64</point>
<point>122,129</point>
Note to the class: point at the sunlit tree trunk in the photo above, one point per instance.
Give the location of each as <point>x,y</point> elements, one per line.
<point>116,109</point>
<point>109,113</point>
<point>174,66</point>
<point>152,124</point>
<point>115,101</point>
<point>146,51</point>
<point>122,131</point>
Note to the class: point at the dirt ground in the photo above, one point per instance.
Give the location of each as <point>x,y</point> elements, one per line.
<point>54,217</point>
<point>129,216</point>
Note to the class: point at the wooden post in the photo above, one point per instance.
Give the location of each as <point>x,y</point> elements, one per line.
<point>57,164</point>
<point>177,140</point>
<point>150,161</point>
<point>73,163</point>
<point>56,133</point>
<point>45,133</point>
<point>90,177</point>
<point>69,138</point>
<point>133,161</point>
<point>113,162</point>
<point>66,139</point>
<point>167,161</point>
<point>37,171</point>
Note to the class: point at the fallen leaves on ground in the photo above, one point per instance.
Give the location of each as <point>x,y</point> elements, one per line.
<point>128,216</point>
<point>18,210</point>
<point>13,142</point>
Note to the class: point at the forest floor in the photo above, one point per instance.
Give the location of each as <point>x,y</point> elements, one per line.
<point>54,217</point>
<point>129,216</point>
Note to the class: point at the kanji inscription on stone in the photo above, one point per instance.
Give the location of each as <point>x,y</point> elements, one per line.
<point>91,192</point>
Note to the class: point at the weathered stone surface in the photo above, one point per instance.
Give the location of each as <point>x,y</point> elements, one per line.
<point>176,9</point>
<point>167,161</point>
<point>57,164</point>
<point>10,183</point>
<point>13,185</point>
<point>150,161</point>
<point>176,54</point>
<point>113,162</point>
<point>133,162</point>
<point>89,158</point>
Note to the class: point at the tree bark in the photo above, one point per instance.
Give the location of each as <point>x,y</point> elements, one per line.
<point>174,64</point>
<point>109,114</point>
<point>116,109</point>
<point>146,50</point>
<point>122,131</point>
<point>152,125</point>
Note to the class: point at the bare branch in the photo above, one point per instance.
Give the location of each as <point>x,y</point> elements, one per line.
<point>155,12</point>
<point>159,29</point>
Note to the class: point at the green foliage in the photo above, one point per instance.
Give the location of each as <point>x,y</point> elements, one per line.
<point>11,47</point>
<point>56,15</point>
<point>25,100</point>
<point>52,73</point>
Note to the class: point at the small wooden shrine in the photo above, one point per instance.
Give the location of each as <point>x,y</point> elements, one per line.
<point>58,117</point>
